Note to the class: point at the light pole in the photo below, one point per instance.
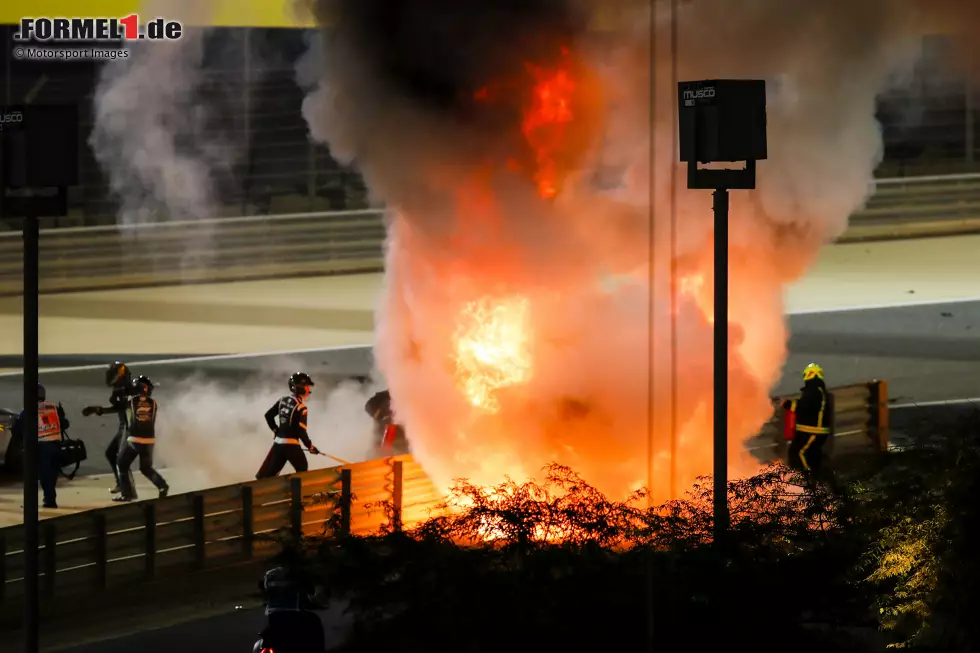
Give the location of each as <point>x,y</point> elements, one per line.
<point>721,121</point>
<point>38,161</point>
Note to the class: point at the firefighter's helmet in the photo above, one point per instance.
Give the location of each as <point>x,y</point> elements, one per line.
<point>812,371</point>
<point>117,374</point>
<point>300,384</point>
<point>143,386</point>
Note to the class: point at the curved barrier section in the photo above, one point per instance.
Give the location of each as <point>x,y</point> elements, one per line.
<point>265,247</point>
<point>860,423</point>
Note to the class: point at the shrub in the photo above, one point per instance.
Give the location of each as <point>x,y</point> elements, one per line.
<point>925,514</point>
<point>560,566</point>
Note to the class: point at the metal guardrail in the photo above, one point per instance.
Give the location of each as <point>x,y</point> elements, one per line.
<point>198,251</point>
<point>860,422</point>
<point>262,247</point>
<point>95,552</point>
<point>915,207</point>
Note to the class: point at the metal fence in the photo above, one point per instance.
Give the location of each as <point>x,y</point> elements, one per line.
<point>251,90</point>
<point>92,555</point>
<point>251,105</point>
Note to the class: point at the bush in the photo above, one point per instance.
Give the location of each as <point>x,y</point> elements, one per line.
<point>927,520</point>
<point>807,566</point>
<point>559,565</point>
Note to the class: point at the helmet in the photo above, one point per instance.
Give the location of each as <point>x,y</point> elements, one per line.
<point>117,374</point>
<point>41,392</point>
<point>279,578</point>
<point>300,383</point>
<point>812,371</point>
<point>143,386</point>
<point>285,591</point>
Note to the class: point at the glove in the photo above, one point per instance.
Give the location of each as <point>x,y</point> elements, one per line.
<point>314,450</point>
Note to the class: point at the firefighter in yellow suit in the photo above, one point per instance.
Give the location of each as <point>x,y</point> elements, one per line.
<point>813,421</point>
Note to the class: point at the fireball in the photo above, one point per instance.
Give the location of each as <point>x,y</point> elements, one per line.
<point>526,162</point>
<point>491,349</point>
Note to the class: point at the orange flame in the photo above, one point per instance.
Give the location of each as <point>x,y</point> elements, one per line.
<point>491,347</point>
<point>693,286</point>
<point>546,121</point>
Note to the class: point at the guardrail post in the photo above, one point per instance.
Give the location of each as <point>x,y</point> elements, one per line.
<point>50,562</point>
<point>878,414</point>
<point>101,551</point>
<point>296,506</point>
<point>248,522</point>
<point>780,435</point>
<point>150,557</point>
<point>396,494</point>
<point>345,501</point>
<point>3,566</point>
<point>199,540</point>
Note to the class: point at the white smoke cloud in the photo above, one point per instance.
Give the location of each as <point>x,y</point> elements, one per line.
<point>168,149</point>
<point>214,433</point>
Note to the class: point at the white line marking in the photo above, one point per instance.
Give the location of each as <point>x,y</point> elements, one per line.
<point>941,402</point>
<point>875,307</point>
<point>193,359</point>
<point>289,352</point>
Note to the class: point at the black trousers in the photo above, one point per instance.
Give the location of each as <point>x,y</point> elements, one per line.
<point>806,451</point>
<point>278,456</point>
<point>129,452</point>
<point>294,631</point>
<point>48,457</point>
<point>112,452</point>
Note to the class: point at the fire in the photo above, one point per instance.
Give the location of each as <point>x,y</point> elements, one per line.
<point>546,121</point>
<point>693,286</point>
<point>555,368</point>
<point>556,123</point>
<point>491,346</point>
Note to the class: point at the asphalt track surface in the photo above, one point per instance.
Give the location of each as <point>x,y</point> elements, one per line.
<point>234,632</point>
<point>926,353</point>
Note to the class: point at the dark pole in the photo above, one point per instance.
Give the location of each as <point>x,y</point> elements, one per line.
<point>721,366</point>
<point>31,629</point>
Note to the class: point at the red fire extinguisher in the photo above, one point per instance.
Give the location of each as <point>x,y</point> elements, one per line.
<point>789,424</point>
<point>388,441</point>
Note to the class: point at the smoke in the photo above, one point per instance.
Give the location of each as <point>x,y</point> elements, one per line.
<point>168,124</point>
<point>215,433</point>
<point>433,100</point>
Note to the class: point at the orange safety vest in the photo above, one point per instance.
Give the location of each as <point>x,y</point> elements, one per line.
<point>48,422</point>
